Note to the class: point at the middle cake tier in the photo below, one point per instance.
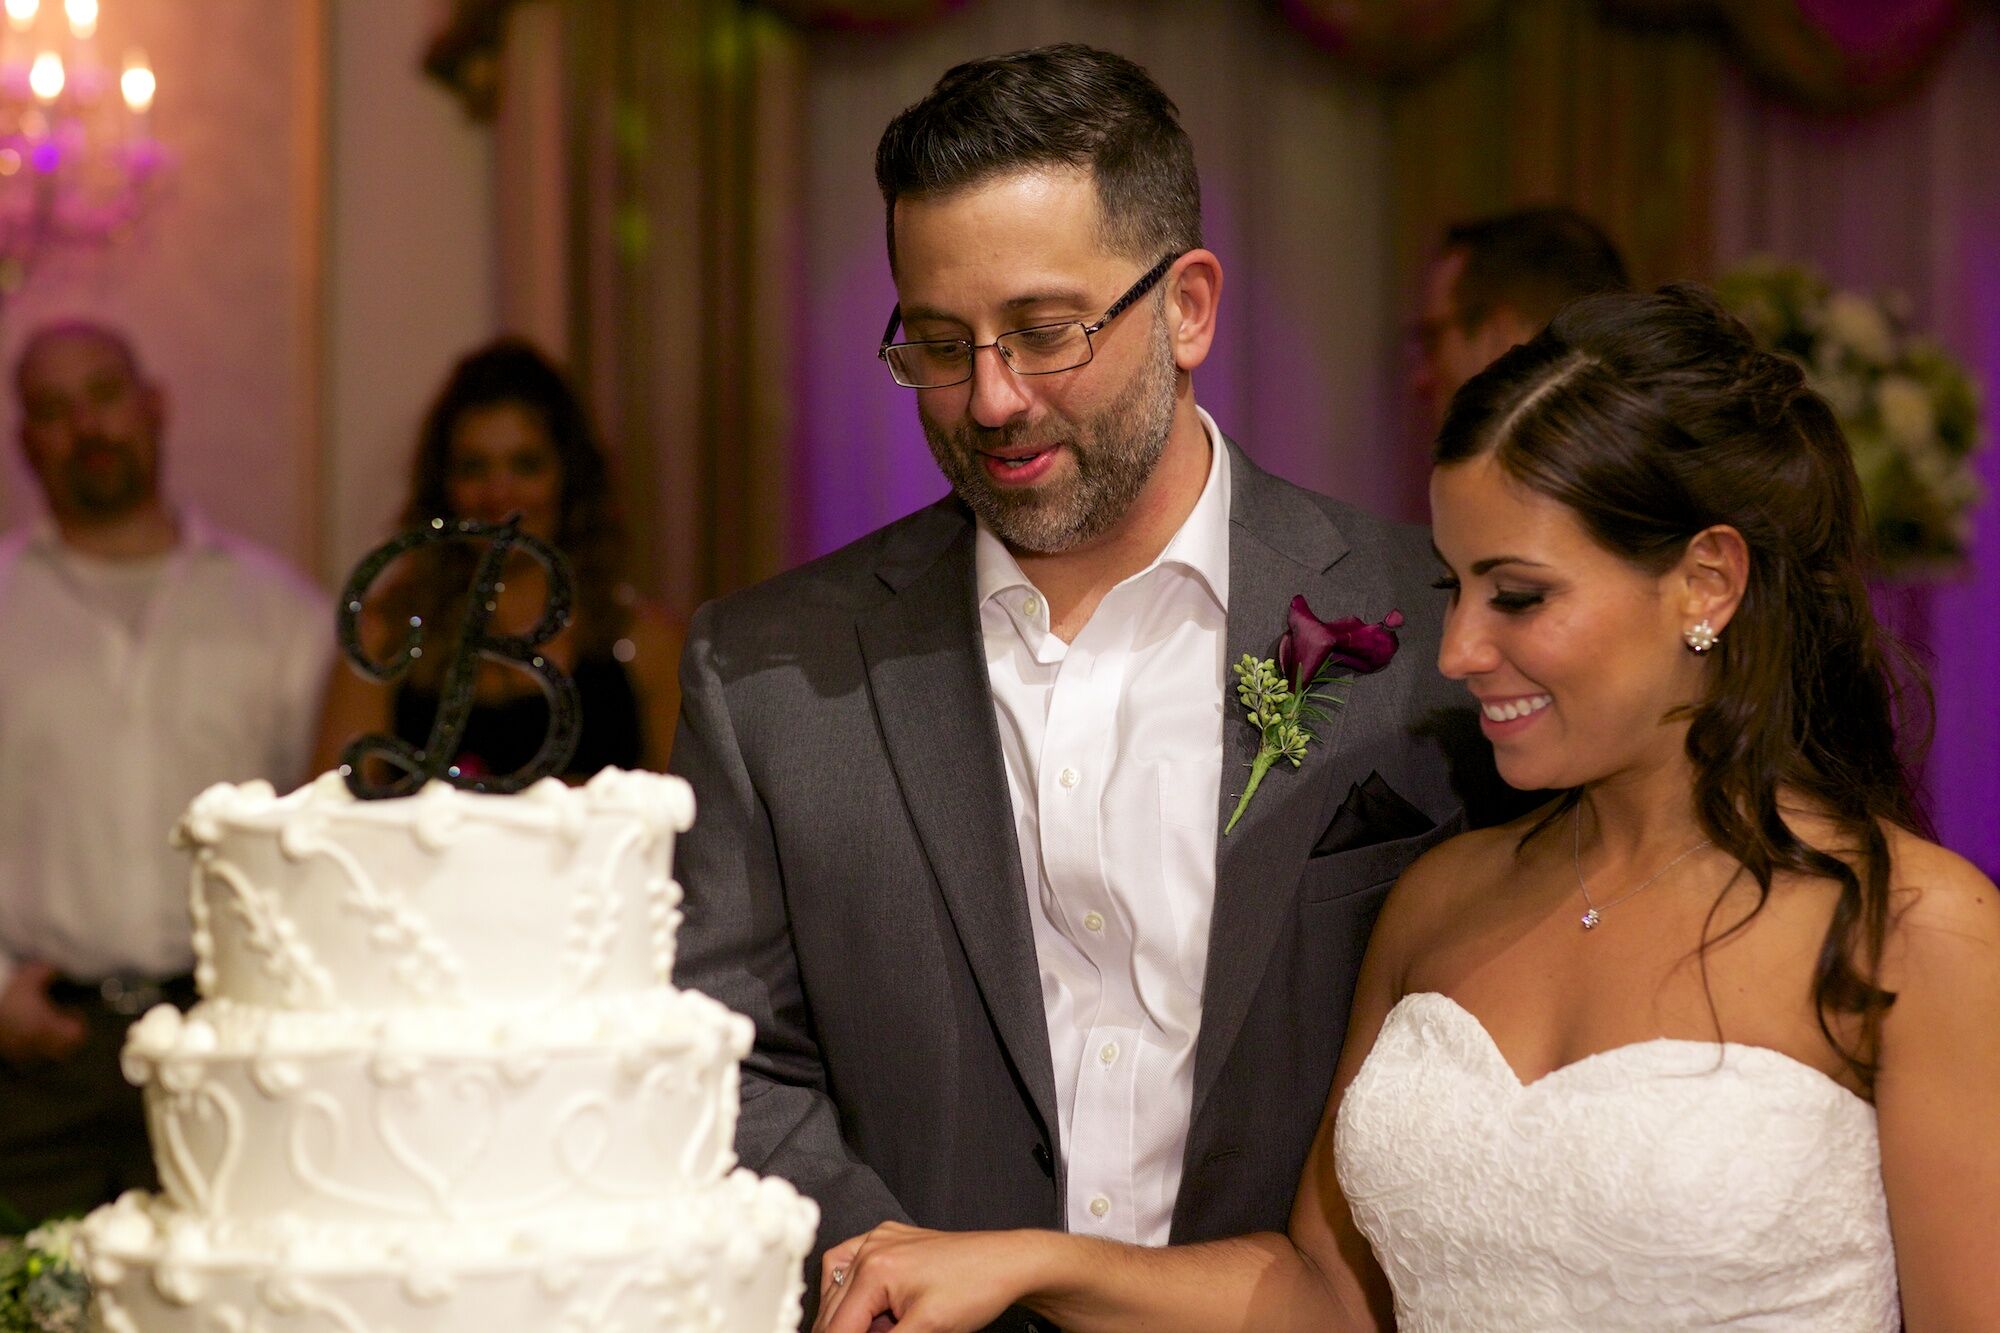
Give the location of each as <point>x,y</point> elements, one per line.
<point>437,1114</point>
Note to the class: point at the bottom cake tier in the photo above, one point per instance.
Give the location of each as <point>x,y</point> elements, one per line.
<point>724,1259</point>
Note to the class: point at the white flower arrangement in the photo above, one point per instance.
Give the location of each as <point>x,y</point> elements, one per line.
<point>42,1290</point>
<point>1910,411</point>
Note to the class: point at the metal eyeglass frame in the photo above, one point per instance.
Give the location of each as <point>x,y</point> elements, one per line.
<point>1146,282</point>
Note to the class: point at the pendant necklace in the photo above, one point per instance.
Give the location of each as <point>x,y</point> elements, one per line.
<point>1592,913</point>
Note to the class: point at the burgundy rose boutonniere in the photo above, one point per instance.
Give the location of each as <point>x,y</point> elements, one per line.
<point>1316,658</point>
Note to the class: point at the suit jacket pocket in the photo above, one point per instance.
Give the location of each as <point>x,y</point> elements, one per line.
<point>1357,869</point>
<point>1373,812</point>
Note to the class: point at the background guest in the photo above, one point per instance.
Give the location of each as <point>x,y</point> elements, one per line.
<point>1493,285</point>
<point>143,656</point>
<point>507,434</point>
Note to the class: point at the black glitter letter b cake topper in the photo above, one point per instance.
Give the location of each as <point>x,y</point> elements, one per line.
<point>455,691</point>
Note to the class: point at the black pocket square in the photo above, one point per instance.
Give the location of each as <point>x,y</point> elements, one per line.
<point>1372,813</point>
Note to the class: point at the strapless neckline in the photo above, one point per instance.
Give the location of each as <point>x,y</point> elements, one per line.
<point>1789,1066</point>
<point>1664,1184</point>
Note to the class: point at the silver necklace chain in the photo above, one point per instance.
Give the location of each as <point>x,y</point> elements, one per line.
<point>1592,913</point>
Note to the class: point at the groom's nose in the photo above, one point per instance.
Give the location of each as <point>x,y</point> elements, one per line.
<point>997,395</point>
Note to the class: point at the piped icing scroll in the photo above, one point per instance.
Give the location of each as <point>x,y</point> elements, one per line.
<point>319,900</point>
<point>439,1079</point>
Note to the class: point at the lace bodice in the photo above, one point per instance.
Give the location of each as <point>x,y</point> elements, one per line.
<point>1662,1185</point>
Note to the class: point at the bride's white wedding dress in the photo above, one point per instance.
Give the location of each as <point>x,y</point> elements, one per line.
<point>1662,1185</point>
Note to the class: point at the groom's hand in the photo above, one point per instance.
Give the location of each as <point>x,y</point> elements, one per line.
<point>919,1281</point>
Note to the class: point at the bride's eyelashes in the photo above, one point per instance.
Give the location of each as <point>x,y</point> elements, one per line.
<point>1514,602</point>
<point>1510,601</point>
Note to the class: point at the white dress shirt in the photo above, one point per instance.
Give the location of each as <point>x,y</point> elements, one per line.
<point>110,725</point>
<point>1113,749</point>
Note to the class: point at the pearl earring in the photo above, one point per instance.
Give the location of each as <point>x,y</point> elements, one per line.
<point>1700,637</point>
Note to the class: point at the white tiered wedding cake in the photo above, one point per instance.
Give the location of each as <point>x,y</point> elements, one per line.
<point>438,1081</point>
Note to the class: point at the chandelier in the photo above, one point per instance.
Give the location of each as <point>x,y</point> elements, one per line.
<point>77,154</point>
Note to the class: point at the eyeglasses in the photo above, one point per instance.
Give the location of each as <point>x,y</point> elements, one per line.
<point>1045,349</point>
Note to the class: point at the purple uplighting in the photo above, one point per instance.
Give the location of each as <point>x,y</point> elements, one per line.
<point>1964,770</point>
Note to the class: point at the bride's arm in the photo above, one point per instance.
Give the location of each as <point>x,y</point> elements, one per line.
<point>957,1281</point>
<point>1937,1087</point>
<point>1320,1276</point>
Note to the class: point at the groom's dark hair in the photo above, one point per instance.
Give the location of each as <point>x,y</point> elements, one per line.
<point>1053,106</point>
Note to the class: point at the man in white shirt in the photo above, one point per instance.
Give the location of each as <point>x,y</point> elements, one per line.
<point>962,785</point>
<point>143,656</point>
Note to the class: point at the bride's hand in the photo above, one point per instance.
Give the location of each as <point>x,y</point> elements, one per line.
<point>925,1281</point>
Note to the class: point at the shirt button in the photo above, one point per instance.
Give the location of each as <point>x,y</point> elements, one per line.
<point>1099,1206</point>
<point>1069,777</point>
<point>1093,922</point>
<point>1108,1053</point>
<point>1032,606</point>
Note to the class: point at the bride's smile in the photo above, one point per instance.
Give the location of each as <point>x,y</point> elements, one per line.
<point>1573,653</point>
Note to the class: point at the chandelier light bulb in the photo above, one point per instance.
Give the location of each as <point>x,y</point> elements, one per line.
<point>137,84</point>
<point>45,76</point>
<point>76,166</point>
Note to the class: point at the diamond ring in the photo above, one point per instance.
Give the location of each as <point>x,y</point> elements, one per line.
<point>839,1275</point>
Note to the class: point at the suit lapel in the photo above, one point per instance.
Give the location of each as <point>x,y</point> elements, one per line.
<point>926,668</point>
<point>1280,545</point>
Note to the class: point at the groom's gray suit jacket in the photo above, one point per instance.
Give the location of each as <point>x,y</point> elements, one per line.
<point>854,884</point>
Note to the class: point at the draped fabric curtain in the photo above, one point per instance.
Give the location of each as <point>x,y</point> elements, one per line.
<point>1825,55</point>
<point>1557,104</point>
<point>1905,200</point>
<point>1828,55</point>
<point>655,158</point>
<point>686,212</point>
<point>648,157</point>
<point>1560,105</point>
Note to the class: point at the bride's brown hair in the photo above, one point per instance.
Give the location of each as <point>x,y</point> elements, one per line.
<point>1653,417</point>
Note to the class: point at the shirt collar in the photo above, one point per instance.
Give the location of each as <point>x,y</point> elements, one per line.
<point>1200,545</point>
<point>197,534</point>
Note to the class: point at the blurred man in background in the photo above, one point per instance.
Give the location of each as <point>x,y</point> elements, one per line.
<point>1493,285</point>
<point>143,656</point>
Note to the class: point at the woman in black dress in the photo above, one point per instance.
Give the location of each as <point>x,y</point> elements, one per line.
<point>507,434</point>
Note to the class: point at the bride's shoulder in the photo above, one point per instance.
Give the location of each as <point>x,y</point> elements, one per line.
<point>1941,906</point>
<point>1490,853</point>
<point>1941,961</point>
<point>1463,868</point>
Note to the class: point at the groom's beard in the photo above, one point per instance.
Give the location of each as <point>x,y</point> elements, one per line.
<point>1113,451</point>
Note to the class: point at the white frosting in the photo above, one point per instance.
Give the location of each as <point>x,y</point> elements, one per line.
<point>440,1114</point>
<point>722,1258</point>
<point>439,1081</point>
<point>316,900</point>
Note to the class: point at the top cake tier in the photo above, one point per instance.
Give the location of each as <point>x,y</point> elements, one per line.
<point>317,900</point>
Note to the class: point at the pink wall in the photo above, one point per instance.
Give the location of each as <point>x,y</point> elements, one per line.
<point>322,251</point>
<point>217,285</point>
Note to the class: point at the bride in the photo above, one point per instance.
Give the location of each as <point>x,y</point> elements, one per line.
<point>1709,1040</point>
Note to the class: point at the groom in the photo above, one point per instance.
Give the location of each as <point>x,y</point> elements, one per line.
<point>962,785</point>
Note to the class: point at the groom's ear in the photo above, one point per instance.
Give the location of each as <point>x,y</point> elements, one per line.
<point>1194,289</point>
<point>1712,574</point>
